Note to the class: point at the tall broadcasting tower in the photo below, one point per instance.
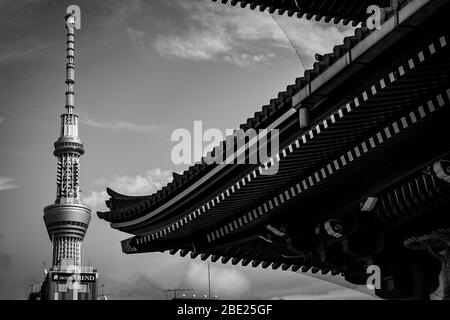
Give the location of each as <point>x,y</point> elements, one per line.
<point>67,220</point>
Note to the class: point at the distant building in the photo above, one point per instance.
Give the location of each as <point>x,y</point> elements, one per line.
<point>67,219</point>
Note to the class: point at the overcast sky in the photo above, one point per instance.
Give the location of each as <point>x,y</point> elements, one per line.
<point>143,69</point>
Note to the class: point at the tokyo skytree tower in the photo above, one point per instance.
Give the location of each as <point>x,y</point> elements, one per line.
<point>67,219</point>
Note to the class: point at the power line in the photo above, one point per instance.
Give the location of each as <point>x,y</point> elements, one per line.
<point>289,39</point>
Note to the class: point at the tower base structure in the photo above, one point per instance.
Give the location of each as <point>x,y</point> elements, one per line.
<point>67,279</point>
<point>66,282</point>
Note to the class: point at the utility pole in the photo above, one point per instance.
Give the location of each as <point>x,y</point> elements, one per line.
<point>209,282</point>
<point>103,296</point>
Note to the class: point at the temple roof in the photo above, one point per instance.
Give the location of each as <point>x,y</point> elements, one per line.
<point>349,189</point>
<point>123,208</point>
<point>336,11</point>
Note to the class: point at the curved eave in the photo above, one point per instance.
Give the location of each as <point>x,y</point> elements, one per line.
<point>336,11</point>
<point>120,202</point>
<point>415,140</point>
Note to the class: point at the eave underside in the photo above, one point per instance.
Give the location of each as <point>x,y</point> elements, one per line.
<point>334,11</point>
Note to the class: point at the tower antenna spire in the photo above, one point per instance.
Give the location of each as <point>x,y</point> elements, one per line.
<point>70,66</point>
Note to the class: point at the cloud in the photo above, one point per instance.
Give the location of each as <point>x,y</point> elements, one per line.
<point>222,33</point>
<point>227,283</point>
<point>18,45</point>
<point>7,183</point>
<point>138,39</point>
<point>122,126</point>
<point>214,32</point>
<point>144,184</point>
<point>200,30</point>
<point>96,199</point>
<point>136,287</point>
<point>203,45</point>
<point>16,14</point>
<point>2,119</point>
<point>21,51</point>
